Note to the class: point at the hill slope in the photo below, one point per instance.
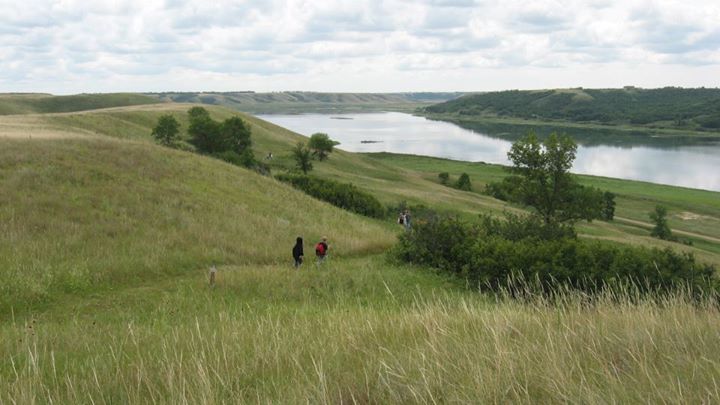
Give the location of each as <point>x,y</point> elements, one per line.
<point>77,214</point>
<point>45,103</point>
<point>305,101</point>
<point>670,107</point>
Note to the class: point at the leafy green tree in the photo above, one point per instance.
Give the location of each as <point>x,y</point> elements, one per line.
<point>166,131</point>
<point>235,135</point>
<point>321,145</point>
<point>545,181</point>
<point>303,157</point>
<point>204,132</point>
<point>444,178</point>
<point>659,218</point>
<point>608,210</point>
<point>463,182</point>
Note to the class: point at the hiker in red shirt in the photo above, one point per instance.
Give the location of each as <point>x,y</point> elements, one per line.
<point>321,250</point>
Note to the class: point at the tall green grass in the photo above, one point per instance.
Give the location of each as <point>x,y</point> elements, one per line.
<point>359,331</point>
<point>77,215</point>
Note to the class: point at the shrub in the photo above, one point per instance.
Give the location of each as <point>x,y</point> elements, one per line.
<point>342,195</point>
<point>463,182</point>
<point>661,229</point>
<point>493,253</point>
<point>444,178</point>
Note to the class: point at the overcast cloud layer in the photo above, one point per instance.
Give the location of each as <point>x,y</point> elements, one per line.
<point>72,46</point>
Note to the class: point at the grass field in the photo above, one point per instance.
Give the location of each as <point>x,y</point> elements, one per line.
<point>106,238</point>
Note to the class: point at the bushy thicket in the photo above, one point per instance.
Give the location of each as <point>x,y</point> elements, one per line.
<point>343,195</point>
<point>492,253</point>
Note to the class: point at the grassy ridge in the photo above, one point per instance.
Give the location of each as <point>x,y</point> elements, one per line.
<point>44,103</point>
<point>303,101</point>
<point>670,107</point>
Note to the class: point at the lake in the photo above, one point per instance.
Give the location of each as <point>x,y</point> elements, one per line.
<point>693,163</point>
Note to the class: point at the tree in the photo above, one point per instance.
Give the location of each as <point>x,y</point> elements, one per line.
<point>463,182</point>
<point>545,181</point>
<point>444,178</point>
<point>204,131</point>
<point>608,210</point>
<point>166,131</point>
<point>235,135</point>
<point>661,229</point>
<point>321,145</point>
<point>303,157</point>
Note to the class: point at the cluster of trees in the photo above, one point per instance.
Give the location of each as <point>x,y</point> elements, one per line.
<point>318,148</point>
<point>542,247</point>
<point>669,106</point>
<point>525,252</point>
<point>462,183</point>
<point>541,179</point>
<point>229,140</point>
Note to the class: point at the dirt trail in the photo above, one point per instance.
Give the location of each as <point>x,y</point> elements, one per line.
<point>677,232</point>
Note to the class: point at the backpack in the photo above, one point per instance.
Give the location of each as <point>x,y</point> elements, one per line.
<point>320,249</point>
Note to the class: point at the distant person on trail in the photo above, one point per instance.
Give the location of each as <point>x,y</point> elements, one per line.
<point>297,252</point>
<point>321,250</point>
<point>407,218</point>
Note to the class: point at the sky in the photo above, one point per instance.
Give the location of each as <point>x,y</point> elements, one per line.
<point>76,46</point>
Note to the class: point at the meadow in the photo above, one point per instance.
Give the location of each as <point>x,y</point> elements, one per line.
<point>106,239</point>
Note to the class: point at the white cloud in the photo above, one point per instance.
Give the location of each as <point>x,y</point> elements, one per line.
<point>355,45</point>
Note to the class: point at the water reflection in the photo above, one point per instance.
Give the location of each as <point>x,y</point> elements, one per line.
<point>691,163</point>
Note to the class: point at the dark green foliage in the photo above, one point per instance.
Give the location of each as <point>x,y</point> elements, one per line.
<point>544,182</point>
<point>303,157</point>
<point>661,229</point>
<point>321,145</point>
<point>166,131</point>
<point>697,109</point>
<point>608,206</point>
<point>204,132</point>
<point>463,182</point>
<point>493,253</point>
<point>235,135</point>
<point>342,195</point>
<point>444,178</point>
<point>505,190</point>
<point>230,140</point>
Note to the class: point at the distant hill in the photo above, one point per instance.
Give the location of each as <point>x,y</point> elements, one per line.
<point>300,101</point>
<point>669,107</point>
<point>47,103</point>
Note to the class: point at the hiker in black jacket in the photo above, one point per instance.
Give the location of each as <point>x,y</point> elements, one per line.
<point>298,252</point>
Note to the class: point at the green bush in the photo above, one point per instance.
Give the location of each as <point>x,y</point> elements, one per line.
<point>444,178</point>
<point>463,182</point>
<point>493,253</point>
<point>342,195</point>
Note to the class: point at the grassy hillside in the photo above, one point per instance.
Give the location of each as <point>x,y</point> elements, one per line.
<point>394,178</point>
<point>105,239</point>
<point>45,103</point>
<point>303,101</point>
<point>670,107</point>
<point>78,215</point>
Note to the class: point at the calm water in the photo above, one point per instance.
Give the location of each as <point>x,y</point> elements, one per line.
<point>637,157</point>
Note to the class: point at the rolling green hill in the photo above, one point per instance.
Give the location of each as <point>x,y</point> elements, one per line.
<point>304,101</point>
<point>106,238</point>
<point>670,107</point>
<point>45,103</point>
